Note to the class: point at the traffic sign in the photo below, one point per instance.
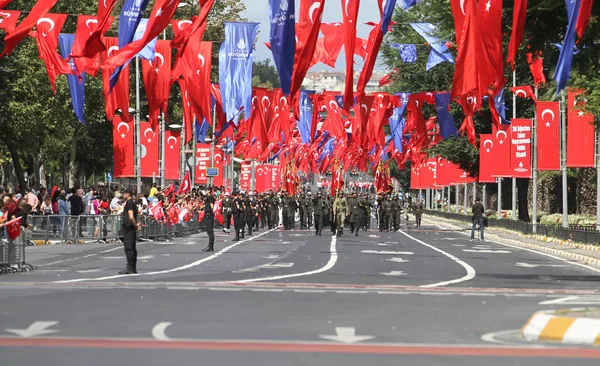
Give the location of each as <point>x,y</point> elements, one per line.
<point>212,172</point>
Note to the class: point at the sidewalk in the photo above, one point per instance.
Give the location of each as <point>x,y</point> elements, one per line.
<point>586,254</point>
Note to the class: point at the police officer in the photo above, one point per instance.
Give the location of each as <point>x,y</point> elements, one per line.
<point>130,226</point>
<point>320,209</point>
<point>354,213</point>
<point>238,215</point>
<point>249,213</point>
<point>340,209</point>
<point>209,220</point>
<point>309,209</point>
<point>226,211</point>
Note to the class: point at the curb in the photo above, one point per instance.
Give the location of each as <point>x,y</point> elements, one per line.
<point>577,257</point>
<point>551,326</point>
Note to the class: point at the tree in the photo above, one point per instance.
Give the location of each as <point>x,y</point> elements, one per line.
<point>265,75</point>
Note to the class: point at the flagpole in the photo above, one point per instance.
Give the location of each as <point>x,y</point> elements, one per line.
<point>483,200</point>
<point>535,165</point>
<point>449,197</point>
<point>162,127</point>
<point>194,153</point>
<point>499,198</point>
<point>466,197</point>
<point>514,180</point>
<point>138,146</point>
<point>563,139</point>
<point>597,179</point>
<point>457,204</point>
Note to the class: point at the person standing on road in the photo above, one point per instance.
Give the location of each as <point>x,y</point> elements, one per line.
<point>209,220</point>
<point>226,210</point>
<point>320,209</point>
<point>354,216</point>
<point>397,213</point>
<point>130,226</point>
<point>478,212</point>
<point>340,210</point>
<point>418,208</point>
<point>238,215</point>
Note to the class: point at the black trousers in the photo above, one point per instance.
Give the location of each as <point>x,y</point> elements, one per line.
<point>239,223</point>
<point>209,224</point>
<point>250,223</point>
<point>129,243</point>
<point>318,223</point>
<point>227,223</point>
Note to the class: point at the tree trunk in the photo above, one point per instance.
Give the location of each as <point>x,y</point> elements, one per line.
<point>522,199</point>
<point>14,154</point>
<point>35,159</point>
<point>72,171</point>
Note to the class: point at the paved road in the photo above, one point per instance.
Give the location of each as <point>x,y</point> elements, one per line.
<point>416,297</point>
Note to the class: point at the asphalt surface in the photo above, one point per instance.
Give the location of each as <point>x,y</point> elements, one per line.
<point>424,296</point>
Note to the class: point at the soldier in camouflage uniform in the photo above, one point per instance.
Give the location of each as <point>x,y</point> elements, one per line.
<point>320,210</point>
<point>354,208</point>
<point>340,210</point>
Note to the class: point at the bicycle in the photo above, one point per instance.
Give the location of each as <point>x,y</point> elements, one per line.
<point>478,229</point>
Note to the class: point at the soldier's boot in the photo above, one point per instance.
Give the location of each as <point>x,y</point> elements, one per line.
<point>356,233</point>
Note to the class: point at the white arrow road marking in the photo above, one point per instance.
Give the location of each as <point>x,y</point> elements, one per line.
<point>394,273</point>
<point>489,251</point>
<point>529,265</point>
<point>93,270</point>
<point>346,335</point>
<point>158,332</point>
<point>397,260</point>
<point>386,252</point>
<point>35,329</point>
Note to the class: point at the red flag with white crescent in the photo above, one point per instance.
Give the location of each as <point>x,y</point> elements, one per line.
<point>22,30</point>
<point>119,98</point>
<point>94,44</point>
<point>486,158</point>
<point>548,135</point>
<point>8,20</point>
<point>150,154</point>
<point>46,35</point>
<point>524,91</point>
<point>502,153</point>
<point>197,79</point>
<point>580,133</point>
<point>349,16</point>
<point>123,147</point>
<point>157,83</point>
<point>86,25</point>
<point>157,212</point>
<point>186,184</point>
<point>458,13</point>
<point>172,154</point>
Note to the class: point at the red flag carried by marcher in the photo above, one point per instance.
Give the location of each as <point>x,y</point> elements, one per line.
<point>119,98</point>
<point>186,184</point>
<point>518,28</point>
<point>93,45</point>
<point>8,20</point>
<point>46,36</point>
<point>350,16</point>
<point>548,135</point>
<point>159,19</point>
<point>525,91</point>
<point>580,133</point>
<point>22,30</point>
<point>157,75</point>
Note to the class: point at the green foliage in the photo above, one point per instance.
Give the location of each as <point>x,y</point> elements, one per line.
<point>265,75</point>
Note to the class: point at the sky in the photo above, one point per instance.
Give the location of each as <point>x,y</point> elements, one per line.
<point>258,11</point>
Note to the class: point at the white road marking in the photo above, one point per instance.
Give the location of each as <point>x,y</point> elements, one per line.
<point>35,329</point>
<point>140,258</point>
<point>177,269</point>
<point>491,337</point>
<point>332,261</point>
<point>394,273</point>
<point>529,265</point>
<point>470,270</point>
<point>561,300</point>
<point>265,266</point>
<point>397,260</point>
<point>487,251</point>
<point>272,256</point>
<point>346,335</point>
<point>93,270</point>
<point>158,332</point>
<point>386,252</point>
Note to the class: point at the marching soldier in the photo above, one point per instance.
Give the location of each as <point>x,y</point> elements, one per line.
<point>310,209</point>
<point>320,209</point>
<point>381,212</point>
<point>367,212</point>
<point>354,213</point>
<point>263,211</point>
<point>340,210</point>
<point>286,202</point>
<point>226,211</point>
<point>238,215</point>
<point>301,206</point>
<point>396,212</point>
<point>418,210</point>
<point>273,211</point>
<point>249,212</point>
<point>387,212</point>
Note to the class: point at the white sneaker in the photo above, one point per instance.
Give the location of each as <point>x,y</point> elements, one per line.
<point>471,240</point>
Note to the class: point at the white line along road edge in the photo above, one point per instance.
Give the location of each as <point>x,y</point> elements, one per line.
<point>182,268</point>
<point>470,270</point>
<point>332,260</point>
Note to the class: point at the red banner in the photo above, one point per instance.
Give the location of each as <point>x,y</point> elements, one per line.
<point>9,19</point>
<point>86,25</point>
<point>548,135</point>
<point>275,177</point>
<point>502,152</point>
<point>263,178</point>
<point>202,162</point>
<point>246,175</point>
<point>520,152</point>
<point>580,135</point>
<point>157,80</point>
<point>123,147</point>
<point>172,154</point>
<point>486,158</point>
<point>150,155</point>
<point>119,98</point>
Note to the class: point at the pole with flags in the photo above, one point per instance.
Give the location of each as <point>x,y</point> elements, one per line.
<point>514,180</point>
<point>535,166</point>
<point>563,168</point>
<point>138,145</point>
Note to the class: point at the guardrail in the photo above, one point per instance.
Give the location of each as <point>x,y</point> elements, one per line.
<point>579,234</point>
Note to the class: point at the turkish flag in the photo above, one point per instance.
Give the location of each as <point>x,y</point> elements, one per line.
<point>157,211</point>
<point>186,184</point>
<point>22,30</point>
<point>123,131</point>
<point>86,25</point>
<point>4,3</point>
<point>548,135</point>
<point>202,162</point>
<point>307,32</point>
<point>518,28</point>
<point>8,20</point>
<point>263,178</point>
<point>580,134</point>
<point>382,113</point>
<point>197,79</point>
<point>490,21</point>
<point>502,152</point>
<point>388,78</point>
<point>486,158</point>
<point>150,155</point>
<point>172,154</point>
<point>188,113</point>
<point>159,19</point>
<point>260,111</point>
<point>93,45</point>
<point>119,98</point>
<point>193,32</point>
<point>458,13</point>
<point>333,122</point>
<point>46,35</point>
<point>582,20</point>
<point>350,16</point>
<point>520,157</point>
<point>536,66</point>
<point>157,83</point>
<point>525,91</point>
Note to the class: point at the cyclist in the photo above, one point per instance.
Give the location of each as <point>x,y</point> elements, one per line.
<point>478,211</point>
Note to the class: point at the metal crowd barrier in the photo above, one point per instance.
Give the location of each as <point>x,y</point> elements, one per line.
<point>12,254</point>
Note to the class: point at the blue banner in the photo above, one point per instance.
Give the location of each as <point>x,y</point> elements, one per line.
<point>76,86</point>
<point>282,14</point>
<point>439,51</point>
<point>501,107</point>
<point>563,67</point>
<point>388,12</point>
<point>306,116</point>
<point>202,128</point>
<point>131,15</point>
<point>445,119</point>
<point>397,121</point>
<point>148,51</point>
<point>235,69</point>
<point>408,52</point>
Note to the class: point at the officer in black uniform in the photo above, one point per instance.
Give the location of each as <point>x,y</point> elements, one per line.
<point>226,211</point>
<point>130,226</point>
<point>320,209</point>
<point>238,215</point>
<point>209,220</point>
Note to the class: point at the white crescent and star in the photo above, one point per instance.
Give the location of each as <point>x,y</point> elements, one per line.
<point>485,143</point>
<point>174,143</point>
<point>111,49</point>
<point>146,134</point>
<point>521,92</point>
<point>46,20</point>
<point>550,111</point>
<point>462,7</point>
<point>311,12</point>
<point>501,132</point>
<point>92,21</point>
<point>181,23</point>
<point>119,129</point>
<point>159,56</point>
